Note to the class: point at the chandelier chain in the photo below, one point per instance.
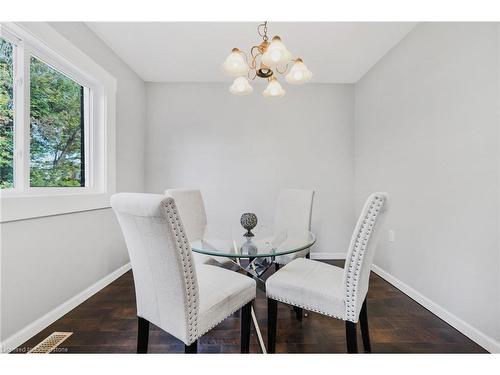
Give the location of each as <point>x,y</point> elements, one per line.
<point>263,33</point>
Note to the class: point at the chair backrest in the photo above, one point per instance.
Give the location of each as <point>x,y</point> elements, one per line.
<point>360,254</point>
<point>165,280</point>
<point>294,210</point>
<point>192,210</point>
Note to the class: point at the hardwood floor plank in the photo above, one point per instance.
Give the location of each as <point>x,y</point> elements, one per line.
<point>107,323</point>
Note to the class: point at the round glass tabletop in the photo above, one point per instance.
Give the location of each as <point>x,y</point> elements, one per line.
<point>285,242</point>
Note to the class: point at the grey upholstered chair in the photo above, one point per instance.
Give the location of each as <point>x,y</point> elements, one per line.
<point>183,299</point>
<point>329,290</point>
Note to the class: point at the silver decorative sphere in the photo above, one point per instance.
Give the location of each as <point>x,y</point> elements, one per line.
<point>248,221</point>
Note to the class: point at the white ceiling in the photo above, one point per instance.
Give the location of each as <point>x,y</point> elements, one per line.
<point>336,52</point>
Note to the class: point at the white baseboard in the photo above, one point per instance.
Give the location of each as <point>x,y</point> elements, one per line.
<point>487,342</point>
<point>327,256</point>
<point>38,325</point>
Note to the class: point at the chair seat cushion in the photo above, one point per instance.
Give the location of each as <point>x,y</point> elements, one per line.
<point>222,292</point>
<point>312,285</point>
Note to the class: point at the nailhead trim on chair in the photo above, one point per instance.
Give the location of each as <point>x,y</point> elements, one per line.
<point>187,266</point>
<point>356,259</point>
<point>309,308</point>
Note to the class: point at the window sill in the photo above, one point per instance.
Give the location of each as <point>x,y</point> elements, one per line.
<point>24,207</point>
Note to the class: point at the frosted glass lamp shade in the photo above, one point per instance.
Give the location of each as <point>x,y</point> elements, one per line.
<point>235,64</point>
<point>274,89</point>
<point>299,73</point>
<point>276,54</point>
<point>241,86</point>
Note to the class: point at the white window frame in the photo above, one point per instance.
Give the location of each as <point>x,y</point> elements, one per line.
<point>23,201</point>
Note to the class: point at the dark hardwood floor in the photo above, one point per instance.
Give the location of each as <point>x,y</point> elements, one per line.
<point>107,323</point>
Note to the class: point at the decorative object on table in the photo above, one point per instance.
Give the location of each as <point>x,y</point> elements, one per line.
<point>248,221</point>
<point>267,59</point>
<point>249,247</point>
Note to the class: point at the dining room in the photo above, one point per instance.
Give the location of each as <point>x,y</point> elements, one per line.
<point>250,187</point>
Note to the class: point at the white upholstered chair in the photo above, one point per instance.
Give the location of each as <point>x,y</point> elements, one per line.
<point>191,208</point>
<point>192,211</point>
<point>293,212</point>
<point>330,290</point>
<point>183,299</point>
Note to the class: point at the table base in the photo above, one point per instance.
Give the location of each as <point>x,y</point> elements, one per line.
<point>255,269</point>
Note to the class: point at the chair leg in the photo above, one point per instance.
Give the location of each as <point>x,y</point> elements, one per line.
<point>276,267</point>
<point>298,313</point>
<point>246,319</point>
<point>308,255</point>
<point>142,335</point>
<point>350,335</point>
<point>272,315</point>
<point>363,320</point>
<point>191,349</point>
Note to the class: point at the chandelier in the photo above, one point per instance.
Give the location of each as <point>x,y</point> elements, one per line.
<point>267,60</point>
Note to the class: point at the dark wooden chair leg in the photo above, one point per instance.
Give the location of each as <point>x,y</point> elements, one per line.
<point>191,349</point>
<point>272,315</point>
<point>276,267</point>
<point>246,319</point>
<point>308,255</point>
<point>298,313</point>
<point>350,335</point>
<point>142,335</point>
<point>363,320</point>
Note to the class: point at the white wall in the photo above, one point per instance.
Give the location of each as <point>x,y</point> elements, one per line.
<point>241,150</point>
<point>427,132</point>
<point>47,261</point>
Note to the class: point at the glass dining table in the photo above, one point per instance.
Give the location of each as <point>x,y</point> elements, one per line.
<point>261,253</point>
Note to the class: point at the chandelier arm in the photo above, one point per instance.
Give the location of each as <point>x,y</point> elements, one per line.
<point>254,75</point>
<point>254,56</point>
<point>246,57</point>
<point>284,71</point>
<point>251,65</point>
<point>258,51</point>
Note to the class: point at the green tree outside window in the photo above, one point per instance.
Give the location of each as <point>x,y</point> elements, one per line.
<point>56,129</point>
<point>56,108</point>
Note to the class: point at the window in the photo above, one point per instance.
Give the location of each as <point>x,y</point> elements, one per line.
<point>57,117</point>
<point>6,115</point>
<point>57,125</point>
<point>57,149</point>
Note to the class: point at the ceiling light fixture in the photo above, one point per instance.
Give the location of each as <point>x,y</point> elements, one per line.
<point>267,59</point>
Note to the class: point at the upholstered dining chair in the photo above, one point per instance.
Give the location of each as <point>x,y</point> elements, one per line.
<point>293,212</point>
<point>330,290</point>
<point>183,299</point>
<point>192,211</point>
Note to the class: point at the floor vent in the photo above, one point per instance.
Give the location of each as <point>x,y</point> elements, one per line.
<point>50,343</point>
